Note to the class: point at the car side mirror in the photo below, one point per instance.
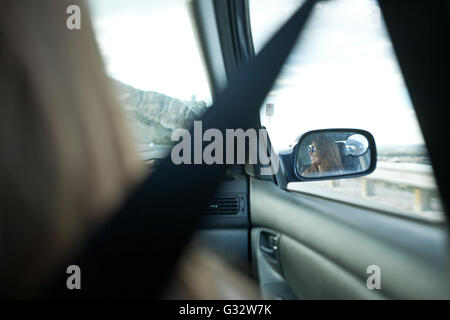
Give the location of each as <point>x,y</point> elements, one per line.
<point>330,154</point>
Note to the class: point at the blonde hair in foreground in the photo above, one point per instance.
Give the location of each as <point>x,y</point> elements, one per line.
<point>66,153</point>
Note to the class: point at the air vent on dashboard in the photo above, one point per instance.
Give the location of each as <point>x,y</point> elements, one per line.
<point>223,204</point>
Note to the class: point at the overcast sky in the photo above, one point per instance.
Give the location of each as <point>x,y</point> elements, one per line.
<point>343,73</point>
<point>151,46</point>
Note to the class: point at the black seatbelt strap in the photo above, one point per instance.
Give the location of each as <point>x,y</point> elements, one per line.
<point>135,253</point>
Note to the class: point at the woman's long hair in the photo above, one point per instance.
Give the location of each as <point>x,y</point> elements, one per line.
<point>67,157</point>
<point>328,155</point>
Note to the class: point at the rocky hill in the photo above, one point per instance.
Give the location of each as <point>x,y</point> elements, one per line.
<point>153,116</point>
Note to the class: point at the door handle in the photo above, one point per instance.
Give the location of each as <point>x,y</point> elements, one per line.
<point>268,243</point>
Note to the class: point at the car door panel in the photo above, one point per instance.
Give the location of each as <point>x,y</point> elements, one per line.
<point>225,227</point>
<point>323,274</point>
<point>272,283</point>
<point>325,247</point>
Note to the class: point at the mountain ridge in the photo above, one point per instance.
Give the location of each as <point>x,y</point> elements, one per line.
<point>154,115</point>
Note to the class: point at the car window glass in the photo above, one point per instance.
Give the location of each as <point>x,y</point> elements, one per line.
<point>343,73</point>
<point>150,52</point>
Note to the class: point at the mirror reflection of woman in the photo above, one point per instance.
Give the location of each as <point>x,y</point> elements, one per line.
<point>325,157</point>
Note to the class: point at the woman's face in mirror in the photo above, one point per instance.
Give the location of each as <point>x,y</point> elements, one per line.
<point>312,151</point>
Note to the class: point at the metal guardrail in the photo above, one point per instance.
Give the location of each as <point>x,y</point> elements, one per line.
<point>155,151</point>
<point>418,177</point>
